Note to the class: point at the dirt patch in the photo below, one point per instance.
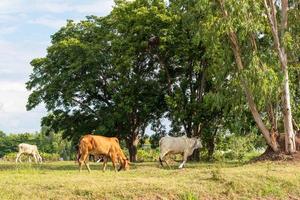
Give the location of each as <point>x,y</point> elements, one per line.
<point>270,155</point>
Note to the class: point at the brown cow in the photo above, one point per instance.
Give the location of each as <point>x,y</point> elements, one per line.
<point>99,145</point>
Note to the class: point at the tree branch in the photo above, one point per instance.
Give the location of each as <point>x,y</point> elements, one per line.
<point>84,105</point>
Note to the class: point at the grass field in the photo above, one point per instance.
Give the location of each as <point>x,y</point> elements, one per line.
<point>61,180</point>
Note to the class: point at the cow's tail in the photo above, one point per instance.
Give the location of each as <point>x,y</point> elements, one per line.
<point>78,156</point>
<point>160,161</point>
<point>79,153</point>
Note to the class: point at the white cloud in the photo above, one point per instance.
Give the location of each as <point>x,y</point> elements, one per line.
<point>7,30</point>
<point>98,6</point>
<point>8,6</point>
<point>52,7</point>
<point>49,21</point>
<point>6,86</point>
<point>13,114</point>
<point>102,6</point>
<point>14,71</point>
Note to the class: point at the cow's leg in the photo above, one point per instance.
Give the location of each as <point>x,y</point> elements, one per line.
<point>18,157</point>
<point>39,158</point>
<point>104,163</point>
<point>167,164</point>
<point>87,165</point>
<point>161,158</point>
<point>82,160</point>
<point>114,161</point>
<point>29,159</point>
<point>184,160</point>
<point>35,158</point>
<point>86,162</point>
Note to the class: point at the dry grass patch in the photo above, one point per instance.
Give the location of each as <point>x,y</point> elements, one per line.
<point>61,180</point>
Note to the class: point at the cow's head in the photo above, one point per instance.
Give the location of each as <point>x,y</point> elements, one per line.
<point>124,164</point>
<point>197,143</point>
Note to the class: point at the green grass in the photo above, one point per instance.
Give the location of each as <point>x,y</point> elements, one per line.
<point>61,180</point>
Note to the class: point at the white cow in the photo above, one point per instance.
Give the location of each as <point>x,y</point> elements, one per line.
<point>178,145</point>
<point>30,150</point>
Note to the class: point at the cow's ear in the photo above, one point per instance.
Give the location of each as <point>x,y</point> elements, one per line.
<point>193,143</point>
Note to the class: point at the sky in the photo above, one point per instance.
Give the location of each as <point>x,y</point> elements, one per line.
<point>25,30</point>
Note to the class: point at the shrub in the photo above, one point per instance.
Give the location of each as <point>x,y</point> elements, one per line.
<point>50,156</point>
<point>236,147</point>
<point>146,155</point>
<point>12,157</point>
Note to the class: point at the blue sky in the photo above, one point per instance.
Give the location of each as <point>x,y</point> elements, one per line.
<point>25,30</point>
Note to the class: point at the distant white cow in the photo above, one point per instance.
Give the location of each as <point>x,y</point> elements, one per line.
<point>178,145</point>
<point>29,150</point>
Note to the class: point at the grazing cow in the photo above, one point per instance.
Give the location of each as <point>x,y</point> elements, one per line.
<point>29,150</point>
<point>178,145</point>
<point>101,146</point>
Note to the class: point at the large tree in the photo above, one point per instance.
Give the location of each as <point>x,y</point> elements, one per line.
<point>98,74</point>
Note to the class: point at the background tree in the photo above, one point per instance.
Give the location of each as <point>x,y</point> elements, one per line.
<point>242,31</point>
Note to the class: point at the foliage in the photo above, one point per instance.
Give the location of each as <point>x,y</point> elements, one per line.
<point>52,146</point>
<point>50,156</point>
<point>237,147</point>
<point>147,155</point>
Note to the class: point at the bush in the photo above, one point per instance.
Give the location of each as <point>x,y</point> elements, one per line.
<point>146,155</point>
<point>236,147</point>
<point>12,157</point>
<point>50,156</point>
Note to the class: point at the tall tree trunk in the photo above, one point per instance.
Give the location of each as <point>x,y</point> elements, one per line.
<point>211,145</point>
<point>290,144</point>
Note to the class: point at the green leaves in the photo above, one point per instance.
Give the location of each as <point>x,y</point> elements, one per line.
<point>102,74</point>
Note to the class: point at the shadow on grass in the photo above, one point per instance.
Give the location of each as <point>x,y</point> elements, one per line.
<point>44,166</point>
<point>55,166</point>
<point>71,165</point>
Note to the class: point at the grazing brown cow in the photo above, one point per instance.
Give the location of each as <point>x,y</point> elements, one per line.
<point>99,145</point>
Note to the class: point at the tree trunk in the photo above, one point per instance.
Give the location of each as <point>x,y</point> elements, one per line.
<point>211,149</point>
<point>132,153</point>
<point>290,145</point>
<point>195,156</point>
<point>132,144</point>
<point>211,145</point>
